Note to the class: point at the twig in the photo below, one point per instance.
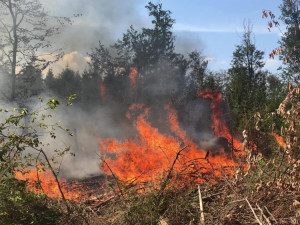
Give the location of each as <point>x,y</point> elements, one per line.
<point>271,214</point>
<point>212,168</point>
<point>170,172</point>
<point>227,181</point>
<point>112,173</point>
<point>60,164</point>
<point>202,221</point>
<point>288,167</point>
<point>240,200</point>
<point>104,202</point>
<point>245,199</point>
<point>277,169</point>
<point>263,215</point>
<point>210,196</point>
<point>114,176</point>
<point>56,179</point>
<point>260,223</point>
<point>37,172</point>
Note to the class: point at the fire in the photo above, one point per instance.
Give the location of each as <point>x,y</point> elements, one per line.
<point>133,107</point>
<point>218,124</point>
<point>48,185</point>
<point>133,75</point>
<point>279,140</point>
<point>219,127</point>
<point>150,154</point>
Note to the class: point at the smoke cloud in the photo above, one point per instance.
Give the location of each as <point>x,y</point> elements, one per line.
<point>73,60</point>
<point>100,20</point>
<point>186,42</point>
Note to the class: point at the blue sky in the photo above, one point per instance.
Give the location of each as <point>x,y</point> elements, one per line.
<point>214,26</point>
<point>218,25</point>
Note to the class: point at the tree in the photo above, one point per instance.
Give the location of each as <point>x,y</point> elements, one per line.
<point>146,48</point>
<point>4,85</point>
<point>50,81</point>
<point>290,40</point>
<point>68,83</point>
<point>29,83</point>
<point>25,29</point>
<point>245,91</point>
<point>197,66</point>
<point>101,66</point>
<point>276,92</point>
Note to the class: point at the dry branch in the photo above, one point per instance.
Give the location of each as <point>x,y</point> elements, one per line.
<point>114,176</point>
<point>263,215</point>
<point>202,221</point>
<point>259,222</point>
<point>270,214</point>
<point>164,184</point>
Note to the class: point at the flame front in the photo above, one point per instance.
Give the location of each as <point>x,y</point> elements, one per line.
<point>150,154</point>
<point>48,185</point>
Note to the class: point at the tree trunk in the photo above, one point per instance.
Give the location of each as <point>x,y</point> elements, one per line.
<point>15,49</point>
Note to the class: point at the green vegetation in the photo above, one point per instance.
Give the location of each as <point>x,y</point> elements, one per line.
<point>21,148</point>
<point>19,206</point>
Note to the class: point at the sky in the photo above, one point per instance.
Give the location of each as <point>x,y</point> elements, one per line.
<point>214,27</point>
<point>219,26</point>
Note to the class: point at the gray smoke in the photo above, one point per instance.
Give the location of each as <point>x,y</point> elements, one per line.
<point>87,127</point>
<point>100,20</point>
<point>187,42</point>
<point>5,84</point>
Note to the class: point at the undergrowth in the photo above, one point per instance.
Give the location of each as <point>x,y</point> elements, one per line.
<point>19,206</point>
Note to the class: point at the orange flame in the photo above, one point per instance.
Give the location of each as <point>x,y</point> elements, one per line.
<point>149,155</point>
<point>133,75</point>
<point>133,107</point>
<point>218,124</point>
<point>49,185</point>
<point>279,140</point>
<point>219,127</point>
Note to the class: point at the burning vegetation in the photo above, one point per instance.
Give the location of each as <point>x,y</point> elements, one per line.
<point>44,182</point>
<point>172,143</point>
<point>148,156</point>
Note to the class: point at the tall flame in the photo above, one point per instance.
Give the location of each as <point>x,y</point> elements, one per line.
<point>149,155</point>
<point>218,124</point>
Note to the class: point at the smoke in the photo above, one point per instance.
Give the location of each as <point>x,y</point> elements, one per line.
<point>5,84</point>
<point>186,42</point>
<point>86,127</point>
<point>104,21</point>
<point>100,20</point>
<point>73,60</point>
